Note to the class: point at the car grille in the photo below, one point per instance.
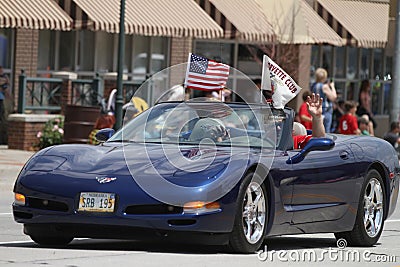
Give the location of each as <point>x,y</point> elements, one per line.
<point>45,204</point>
<point>153,209</point>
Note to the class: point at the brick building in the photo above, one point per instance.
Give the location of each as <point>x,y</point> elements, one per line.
<point>71,35</point>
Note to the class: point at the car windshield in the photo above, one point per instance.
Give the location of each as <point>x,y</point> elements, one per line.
<point>195,122</point>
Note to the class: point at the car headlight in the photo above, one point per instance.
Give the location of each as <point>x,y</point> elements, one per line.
<point>19,199</point>
<point>199,207</point>
<point>45,163</point>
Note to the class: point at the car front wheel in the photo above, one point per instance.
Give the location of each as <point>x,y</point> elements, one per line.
<point>51,240</point>
<point>251,215</point>
<point>369,221</point>
<point>46,236</point>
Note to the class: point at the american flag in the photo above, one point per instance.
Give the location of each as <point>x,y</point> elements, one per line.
<point>205,74</point>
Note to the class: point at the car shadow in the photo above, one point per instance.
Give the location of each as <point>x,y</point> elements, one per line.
<point>273,243</point>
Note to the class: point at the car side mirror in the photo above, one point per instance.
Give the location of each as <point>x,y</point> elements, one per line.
<point>314,144</point>
<point>104,134</point>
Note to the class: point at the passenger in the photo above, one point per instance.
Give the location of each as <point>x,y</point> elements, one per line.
<point>314,107</point>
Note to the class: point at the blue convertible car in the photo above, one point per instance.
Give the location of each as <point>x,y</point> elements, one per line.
<point>220,173</point>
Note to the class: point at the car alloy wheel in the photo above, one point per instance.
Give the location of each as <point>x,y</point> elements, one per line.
<point>251,217</point>
<point>371,211</point>
<point>373,207</point>
<point>254,212</point>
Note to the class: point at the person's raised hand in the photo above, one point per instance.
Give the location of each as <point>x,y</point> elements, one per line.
<point>314,105</point>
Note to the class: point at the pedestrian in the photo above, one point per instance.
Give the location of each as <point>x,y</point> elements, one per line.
<point>327,91</point>
<point>104,121</point>
<point>348,122</point>
<point>338,112</point>
<point>304,116</point>
<point>364,105</point>
<point>393,135</point>
<point>4,83</point>
<point>363,125</point>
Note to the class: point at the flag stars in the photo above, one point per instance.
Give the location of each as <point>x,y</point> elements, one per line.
<point>198,64</point>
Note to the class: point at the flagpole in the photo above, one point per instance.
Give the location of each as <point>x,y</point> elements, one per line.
<point>119,101</point>
<point>187,92</point>
<point>263,73</point>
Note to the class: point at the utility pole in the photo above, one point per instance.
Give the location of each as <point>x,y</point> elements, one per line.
<point>395,92</point>
<point>121,48</point>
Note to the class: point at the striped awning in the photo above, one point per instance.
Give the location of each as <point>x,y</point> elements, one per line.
<point>240,19</point>
<point>361,23</point>
<point>295,22</point>
<point>33,14</point>
<point>175,18</point>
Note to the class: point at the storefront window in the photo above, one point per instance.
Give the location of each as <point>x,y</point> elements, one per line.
<point>128,53</point>
<point>377,91</point>
<point>386,100</point>
<point>388,72</point>
<point>46,49</point>
<point>314,62</point>
<point>340,62</point>
<point>365,63</point>
<point>5,47</point>
<point>327,59</point>
<point>66,51</point>
<point>250,59</point>
<point>140,51</point>
<point>351,91</point>
<point>378,58</point>
<point>86,51</point>
<point>221,52</point>
<point>159,47</point>
<point>340,89</point>
<point>352,63</point>
<point>104,51</point>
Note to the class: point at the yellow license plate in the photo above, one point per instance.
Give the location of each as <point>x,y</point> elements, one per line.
<point>96,202</point>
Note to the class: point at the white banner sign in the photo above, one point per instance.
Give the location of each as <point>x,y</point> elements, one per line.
<point>275,79</point>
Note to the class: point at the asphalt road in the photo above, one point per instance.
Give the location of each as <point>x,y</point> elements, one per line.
<point>16,249</point>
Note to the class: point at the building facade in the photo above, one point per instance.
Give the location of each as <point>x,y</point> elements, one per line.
<point>79,38</point>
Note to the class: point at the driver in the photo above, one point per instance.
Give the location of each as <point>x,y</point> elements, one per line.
<point>314,107</point>
<point>209,128</point>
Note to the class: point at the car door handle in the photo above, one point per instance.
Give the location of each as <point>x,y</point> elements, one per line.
<point>344,154</point>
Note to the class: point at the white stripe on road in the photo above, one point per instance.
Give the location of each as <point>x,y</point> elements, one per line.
<point>15,242</point>
<point>30,241</point>
<point>394,220</point>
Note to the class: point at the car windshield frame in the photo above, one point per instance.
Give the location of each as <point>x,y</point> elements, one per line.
<point>239,124</point>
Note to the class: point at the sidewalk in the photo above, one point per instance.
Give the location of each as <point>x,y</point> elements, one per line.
<point>11,162</point>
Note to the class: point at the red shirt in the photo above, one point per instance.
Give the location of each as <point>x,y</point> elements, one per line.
<point>300,141</point>
<point>348,124</point>
<point>304,111</point>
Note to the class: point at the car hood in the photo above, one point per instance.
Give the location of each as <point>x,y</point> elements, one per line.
<point>136,159</point>
<point>66,170</point>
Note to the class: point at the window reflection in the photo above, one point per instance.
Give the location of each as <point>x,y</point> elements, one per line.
<point>365,62</point>
<point>340,62</point>
<point>352,63</point>
<point>362,63</point>
<point>5,48</point>
<point>378,64</point>
<point>66,51</point>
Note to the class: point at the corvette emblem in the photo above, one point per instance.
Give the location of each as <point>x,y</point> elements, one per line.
<point>104,180</point>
